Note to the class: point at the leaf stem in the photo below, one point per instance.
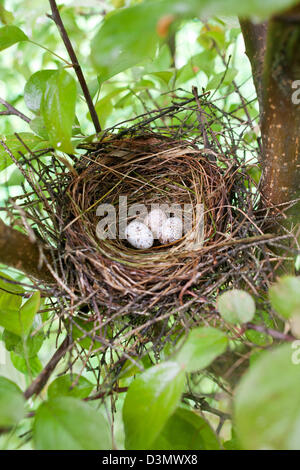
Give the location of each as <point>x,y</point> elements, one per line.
<point>51,52</point>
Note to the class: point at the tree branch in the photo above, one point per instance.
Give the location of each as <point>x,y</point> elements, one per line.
<point>38,384</point>
<point>12,111</point>
<point>19,252</point>
<point>269,331</point>
<point>64,35</point>
<point>275,59</point>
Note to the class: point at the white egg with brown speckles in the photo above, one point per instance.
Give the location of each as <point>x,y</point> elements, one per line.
<point>171,230</point>
<point>155,220</point>
<point>139,235</point>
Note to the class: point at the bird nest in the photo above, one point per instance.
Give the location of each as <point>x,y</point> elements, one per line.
<point>123,180</point>
<point>191,157</point>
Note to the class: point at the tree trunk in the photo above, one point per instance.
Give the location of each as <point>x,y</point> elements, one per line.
<point>273,50</point>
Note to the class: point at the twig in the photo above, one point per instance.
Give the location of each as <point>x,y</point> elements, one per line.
<point>64,35</point>
<point>204,406</point>
<point>107,393</point>
<point>12,111</point>
<point>201,117</point>
<point>269,331</point>
<point>38,384</point>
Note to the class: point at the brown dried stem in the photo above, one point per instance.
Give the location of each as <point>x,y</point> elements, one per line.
<point>38,384</point>
<point>64,35</point>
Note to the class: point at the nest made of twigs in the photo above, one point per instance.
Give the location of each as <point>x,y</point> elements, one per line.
<point>114,299</point>
<point>150,170</point>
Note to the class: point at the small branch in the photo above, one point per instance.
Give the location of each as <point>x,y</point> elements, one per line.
<point>106,394</point>
<point>41,380</point>
<point>204,406</point>
<point>64,35</point>
<point>12,111</point>
<point>269,331</point>
<point>201,118</point>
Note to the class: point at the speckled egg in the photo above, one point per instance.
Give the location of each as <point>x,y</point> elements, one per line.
<point>139,235</point>
<point>171,230</point>
<point>155,220</point>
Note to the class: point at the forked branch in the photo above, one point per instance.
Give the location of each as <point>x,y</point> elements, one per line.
<point>12,111</point>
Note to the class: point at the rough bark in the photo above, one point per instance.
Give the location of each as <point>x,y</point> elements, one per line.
<point>281,117</point>
<point>274,53</point>
<point>255,35</point>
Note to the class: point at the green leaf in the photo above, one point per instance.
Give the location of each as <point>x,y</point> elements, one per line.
<point>161,63</point>
<point>37,125</point>
<point>6,17</point>
<point>130,35</point>
<point>151,399</point>
<point>19,320</point>
<point>31,366</point>
<point>256,337</point>
<point>16,178</point>
<point>58,109</point>
<point>267,401</point>
<point>104,107</point>
<point>15,146</point>
<point>165,76</point>
<point>221,79</point>
<point>10,35</point>
<point>186,430</point>
<point>31,306</point>
<point>209,8</point>
<point>211,34</point>
<point>67,423</point>
<point>28,347</point>
<point>285,296</point>
<point>35,88</point>
<point>204,62</point>
<point>62,387</point>
<point>236,306</point>
<point>9,293</point>
<point>201,348</point>
<point>79,328</point>
<point>12,408</point>
<point>29,310</point>
<point>233,443</point>
<point>120,43</point>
